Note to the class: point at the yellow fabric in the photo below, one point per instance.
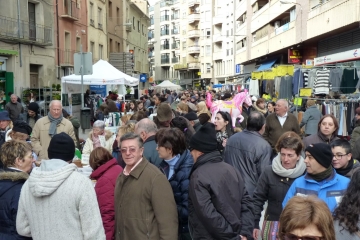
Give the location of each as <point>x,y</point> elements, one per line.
<point>256,75</point>
<point>298,101</point>
<point>305,92</point>
<point>284,69</point>
<point>266,96</point>
<point>269,74</point>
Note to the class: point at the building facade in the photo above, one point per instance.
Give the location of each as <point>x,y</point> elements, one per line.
<point>27,43</point>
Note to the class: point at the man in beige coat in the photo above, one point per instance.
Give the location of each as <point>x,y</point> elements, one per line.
<point>48,126</point>
<point>144,202</point>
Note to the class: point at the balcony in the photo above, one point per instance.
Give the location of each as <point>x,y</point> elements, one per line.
<point>150,36</point>
<point>164,32</point>
<point>194,65</point>
<point>165,47</point>
<point>218,55</point>
<point>151,21</point>
<point>71,11</point>
<point>177,52</point>
<point>174,60</point>
<point>66,58</point>
<point>194,49</point>
<point>175,31</point>
<point>165,61</point>
<point>218,38</point>
<point>175,46</point>
<point>151,54</point>
<point>100,26</point>
<point>219,19</point>
<point>164,18</point>
<point>192,3</point>
<point>193,17</point>
<point>175,17</point>
<point>181,66</point>
<point>92,23</point>
<point>28,33</point>
<point>194,33</point>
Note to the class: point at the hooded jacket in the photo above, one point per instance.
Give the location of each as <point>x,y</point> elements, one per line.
<point>150,152</point>
<point>318,138</point>
<point>219,205</point>
<point>179,182</point>
<point>11,182</point>
<point>311,119</point>
<point>57,203</point>
<point>106,142</point>
<point>106,176</point>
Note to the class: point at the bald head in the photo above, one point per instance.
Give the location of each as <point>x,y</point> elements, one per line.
<point>281,107</point>
<point>145,128</point>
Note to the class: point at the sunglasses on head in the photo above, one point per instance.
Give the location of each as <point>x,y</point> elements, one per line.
<point>290,236</point>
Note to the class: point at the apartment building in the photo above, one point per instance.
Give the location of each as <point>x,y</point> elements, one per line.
<point>71,33</point>
<point>266,31</point>
<point>27,43</point>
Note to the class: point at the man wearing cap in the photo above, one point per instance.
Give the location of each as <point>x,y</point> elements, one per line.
<point>219,205</point>
<point>164,115</point>
<point>14,108</point>
<point>321,179</point>
<point>193,119</point>
<point>32,115</point>
<point>58,202</point>
<point>45,128</point>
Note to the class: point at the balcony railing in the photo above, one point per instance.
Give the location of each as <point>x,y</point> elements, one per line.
<point>164,18</point>
<point>164,32</point>
<point>175,31</point>
<point>194,65</point>
<point>174,17</point>
<point>165,47</point>
<point>194,49</point>
<point>174,60</point>
<point>67,57</point>
<point>24,32</point>
<point>194,33</point>
<point>175,46</point>
<point>165,60</point>
<point>71,10</point>
<point>151,21</point>
<point>193,2</point>
<point>193,17</point>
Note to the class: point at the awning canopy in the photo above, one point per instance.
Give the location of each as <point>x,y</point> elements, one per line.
<point>266,65</point>
<point>217,86</point>
<point>8,52</point>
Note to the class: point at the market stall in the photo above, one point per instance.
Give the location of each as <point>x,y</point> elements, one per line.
<point>167,85</point>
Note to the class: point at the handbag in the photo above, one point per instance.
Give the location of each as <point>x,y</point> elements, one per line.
<point>270,230</point>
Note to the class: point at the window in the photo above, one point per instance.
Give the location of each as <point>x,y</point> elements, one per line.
<point>208,50</point>
<point>100,18</point>
<point>184,45</point>
<point>110,10</point>
<point>133,22</point>
<point>138,26</point>
<point>292,14</point>
<point>241,44</point>
<point>118,47</point>
<point>91,12</point>
<point>78,44</point>
<point>111,45</point>
<point>32,21</point>
<point>208,67</point>
<point>67,41</point>
<point>100,51</point>
<point>118,15</point>
<point>142,29</point>
<point>92,46</point>
<point>208,32</point>
<point>207,16</point>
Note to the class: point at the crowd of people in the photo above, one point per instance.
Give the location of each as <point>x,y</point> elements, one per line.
<point>170,173</point>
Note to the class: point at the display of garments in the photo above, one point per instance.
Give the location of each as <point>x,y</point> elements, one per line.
<point>306,79</point>
<point>335,78</point>
<point>312,77</point>
<point>296,80</point>
<point>286,87</point>
<point>322,84</point>
<point>270,88</point>
<point>349,81</point>
<point>277,81</point>
<point>254,87</point>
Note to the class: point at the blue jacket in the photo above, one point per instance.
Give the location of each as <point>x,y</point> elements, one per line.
<point>311,119</point>
<point>11,182</point>
<point>150,152</point>
<point>179,182</point>
<point>330,190</point>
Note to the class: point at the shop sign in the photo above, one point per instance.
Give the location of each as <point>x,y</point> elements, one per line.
<point>99,90</point>
<point>294,56</point>
<point>143,77</point>
<point>350,55</point>
<point>151,79</point>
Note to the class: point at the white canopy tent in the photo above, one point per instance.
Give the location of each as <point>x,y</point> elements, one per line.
<point>167,85</point>
<point>103,74</point>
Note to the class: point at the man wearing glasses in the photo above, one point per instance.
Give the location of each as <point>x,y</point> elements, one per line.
<point>144,202</point>
<point>343,161</point>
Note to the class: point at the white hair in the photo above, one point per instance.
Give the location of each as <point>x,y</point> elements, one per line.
<point>286,104</point>
<point>55,101</point>
<point>99,124</point>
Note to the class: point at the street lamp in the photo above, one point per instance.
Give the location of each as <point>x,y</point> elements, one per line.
<point>287,2</point>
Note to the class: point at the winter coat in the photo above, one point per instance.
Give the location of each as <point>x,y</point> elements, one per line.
<point>11,182</point>
<point>250,153</point>
<point>355,135</point>
<point>245,113</point>
<point>311,120</point>
<point>342,233</point>
<point>105,177</point>
<point>318,138</point>
<point>150,152</point>
<point>197,126</point>
<point>26,117</point>
<point>105,141</point>
<point>40,138</point>
<point>58,203</point>
<point>272,188</point>
<point>76,125</point>
<point>145,207</point>
<point>330,190</point>
<point>179,182</point>
<point>219,205</point>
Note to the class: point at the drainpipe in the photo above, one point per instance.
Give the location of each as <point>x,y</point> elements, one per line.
<point>18,13</point>
<point>58,37</point>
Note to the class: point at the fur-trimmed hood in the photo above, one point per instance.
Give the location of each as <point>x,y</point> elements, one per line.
<point>11,178</point>
<point>108,134</point>
<point>263,111</point>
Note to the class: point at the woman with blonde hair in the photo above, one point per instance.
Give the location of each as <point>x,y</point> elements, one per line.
<point>202,108</point>
<point>129,127</point>
<point>182,108</point>
<point>306,218</point>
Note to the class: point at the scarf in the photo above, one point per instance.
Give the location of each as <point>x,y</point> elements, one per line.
<point>323,175</point>
<point>53,123</point>
<point>96,141</point>
<point>263,111</point>
<point>220,136</point>
<point>296,172</point>
<point>347,169</point>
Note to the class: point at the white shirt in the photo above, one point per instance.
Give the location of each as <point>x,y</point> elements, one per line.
<point>128,173</point>
<point>282,119</point>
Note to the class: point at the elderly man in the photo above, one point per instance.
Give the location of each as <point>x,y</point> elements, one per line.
<point>14,108</point>
<point>193,119</point>
<point>147,129</point>
<point>45,128</point>
<point>280,122</point>
<point>144,202</point>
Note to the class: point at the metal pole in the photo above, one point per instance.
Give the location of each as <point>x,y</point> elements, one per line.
<point>82,77</point>
<point>18,13</point>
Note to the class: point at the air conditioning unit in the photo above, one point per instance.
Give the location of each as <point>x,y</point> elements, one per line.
<point>128,28</point>
<point>277,24</point>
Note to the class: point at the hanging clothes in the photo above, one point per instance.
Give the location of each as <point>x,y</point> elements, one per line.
<point>312,77</point>
<point>270,88</point>
<point>322,84</point>
<point>277,81</point>
<point>335,78</point>
<point>254,87</point>
<point>306,79</point>
<point>286,87</point>
<point>296,81</point>
<point>349,81</point>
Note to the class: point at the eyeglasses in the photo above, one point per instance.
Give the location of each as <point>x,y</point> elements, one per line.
<point>290,236</point>
<point>125,150</point>
<point>339,156</point>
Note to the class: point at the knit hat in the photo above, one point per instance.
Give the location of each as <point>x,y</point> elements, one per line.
<point>22,127</point>
<point>33,107</point>
<point>204,140</point>
<point>322,153</point>
<point>164,112</point>
<point>191,116</point>
<point>62,147</point>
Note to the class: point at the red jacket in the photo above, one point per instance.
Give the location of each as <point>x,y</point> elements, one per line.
<point>106,176</point>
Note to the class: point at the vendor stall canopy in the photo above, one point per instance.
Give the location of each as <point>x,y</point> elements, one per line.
<point>168,85</point>
<point>266,65</point>
<point>103,74</point>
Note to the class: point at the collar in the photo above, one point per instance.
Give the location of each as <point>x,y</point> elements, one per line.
<point>128,173</point>
<point>16,169</point>
<point>151,138</point>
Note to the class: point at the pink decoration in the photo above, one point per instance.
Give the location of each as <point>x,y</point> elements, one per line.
<point>233,107</point>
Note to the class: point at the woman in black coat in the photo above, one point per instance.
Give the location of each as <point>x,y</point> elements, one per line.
<point>176,166</point>
<point>275,181</point>
<point>18,161</point>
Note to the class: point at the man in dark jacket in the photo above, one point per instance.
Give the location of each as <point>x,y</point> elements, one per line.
<point>147,129</point>
<point>249,152</point>
<point>32,114</point>
<point>219,207</point>
<point>193,119</point>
